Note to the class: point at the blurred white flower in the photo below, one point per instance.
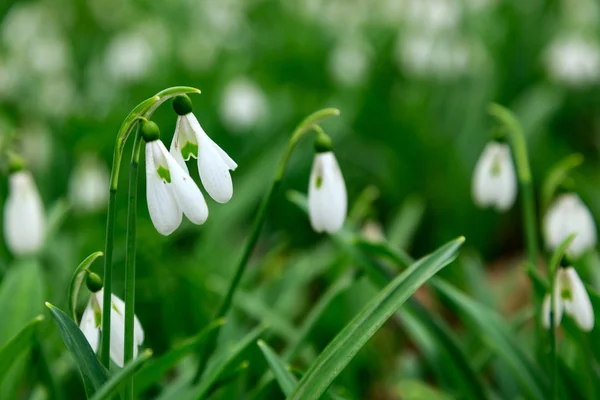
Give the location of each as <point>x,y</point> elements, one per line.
<point>129,57</point>
<point>494,180</point>
<point>170,191</point>
<point>349,62</point>
<point>327,197</point>
<point>88,186</point>
<point>190,140</point>
<point>435,56</point>
<point>373,231</point>
<point>433,15</point>
<point>568,215</point>
<point>91,326</point>
<point>572,298</point>
<point>243,104</point>
<point>24,220</point>
<point>573,60</point>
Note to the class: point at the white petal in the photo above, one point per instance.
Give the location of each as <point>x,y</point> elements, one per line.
<point>138,332</point>
<point>162,206</point>
<point>214,172</point>
<point>195,126</point>
<point>568,215</point>
<point>175,149</point>
<point>89,328</point>
<point>494,179</point>
<point>24,221</point>
<point>327,197</point>
<point>188,196</point>
<point>579,306</point>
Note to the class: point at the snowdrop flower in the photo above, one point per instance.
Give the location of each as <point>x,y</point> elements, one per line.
<point>243,105</point>
<point>170,191</point>
<point>571,298</point>
<point>24,220</point>
<point>573,60</point>
<point>568,215</point>
<point>494,179</point>
<point>91,325</point>
<point>327,198</point>
<point>190,140</point>
<point>88,185</point>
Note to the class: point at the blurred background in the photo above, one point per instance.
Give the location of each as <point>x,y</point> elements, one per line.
<point>412,79</point>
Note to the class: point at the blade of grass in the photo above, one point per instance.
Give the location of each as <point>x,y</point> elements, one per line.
<point>19,344</point>
<point>121,378</point>
<point>350,340</point>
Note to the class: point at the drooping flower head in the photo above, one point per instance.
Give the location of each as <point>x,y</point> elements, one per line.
<point>91,325</point>
<point>24,219</point>
<point>568,215</point>
<point>327,197</point>
<point>494,180</point>
<point>571,298</point>
<point>170,191</point>
<point>190,140</point>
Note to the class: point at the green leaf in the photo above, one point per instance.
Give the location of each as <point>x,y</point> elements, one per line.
<point>213,374</point>
<point>558,173</point>
<point>287,381</point>
<point>415,390</point>
<point>77,281</point>
<point>118,380</point>
<point>93,373</point>
<point>18,345</point>
<point>156,369</point>
<point>497,336</point>
<point>348,342</point>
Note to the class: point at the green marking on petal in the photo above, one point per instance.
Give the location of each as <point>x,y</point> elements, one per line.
<point>97,318</point>
<point>496,166</point>
<point>189,150</point>
<point>319,181</point>
<point>565,294</point>
<point>164,173</point>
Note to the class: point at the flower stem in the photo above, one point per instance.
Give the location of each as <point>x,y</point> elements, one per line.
<point>519,148</point>
<point>108,252</point>
<point>130,258</point>
<point>304,128</point>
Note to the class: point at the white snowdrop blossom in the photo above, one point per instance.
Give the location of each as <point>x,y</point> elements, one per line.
<point>565,216</point>
<point>91,326</point>
<point>494,180</point>
<point>170,191</point>
<point>243,104</point>
<point>88,185</point>
<point>214,164</point>
<point>24,219</point>
<point>349,62</point>
<point>571,298</point>
<point>327,197</point>
<point>573,60</point>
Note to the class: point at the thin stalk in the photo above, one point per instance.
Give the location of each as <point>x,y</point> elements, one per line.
<point>519,149</point>
<point>108,253</point>
<point>553,354</point>
<point>130,259</point>
<point>302,130</point>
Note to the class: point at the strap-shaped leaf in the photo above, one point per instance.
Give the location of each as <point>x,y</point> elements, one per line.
<point>286,380</point>
<point>156,369</point>
<point>350,340</point>
<point>118,380</point>
<point>93,373</point>
<point>18,345</point>
<point>77,281</point>
<point>214,373</point>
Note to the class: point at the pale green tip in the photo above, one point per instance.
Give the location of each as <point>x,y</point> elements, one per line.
<point>49,305</point>
<point>461,239</point>
<point>39,317</point>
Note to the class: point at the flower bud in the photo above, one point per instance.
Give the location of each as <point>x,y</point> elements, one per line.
<point>150,131</point>
<point>182,105</point>
<point>323,143</point>
<point>93,282</point>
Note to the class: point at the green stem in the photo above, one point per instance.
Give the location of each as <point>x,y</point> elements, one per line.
<point>553,354</point>
<point>130,259</point>
<point>519,148</point>
<point>302,129</point>
<point>108,252</point>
